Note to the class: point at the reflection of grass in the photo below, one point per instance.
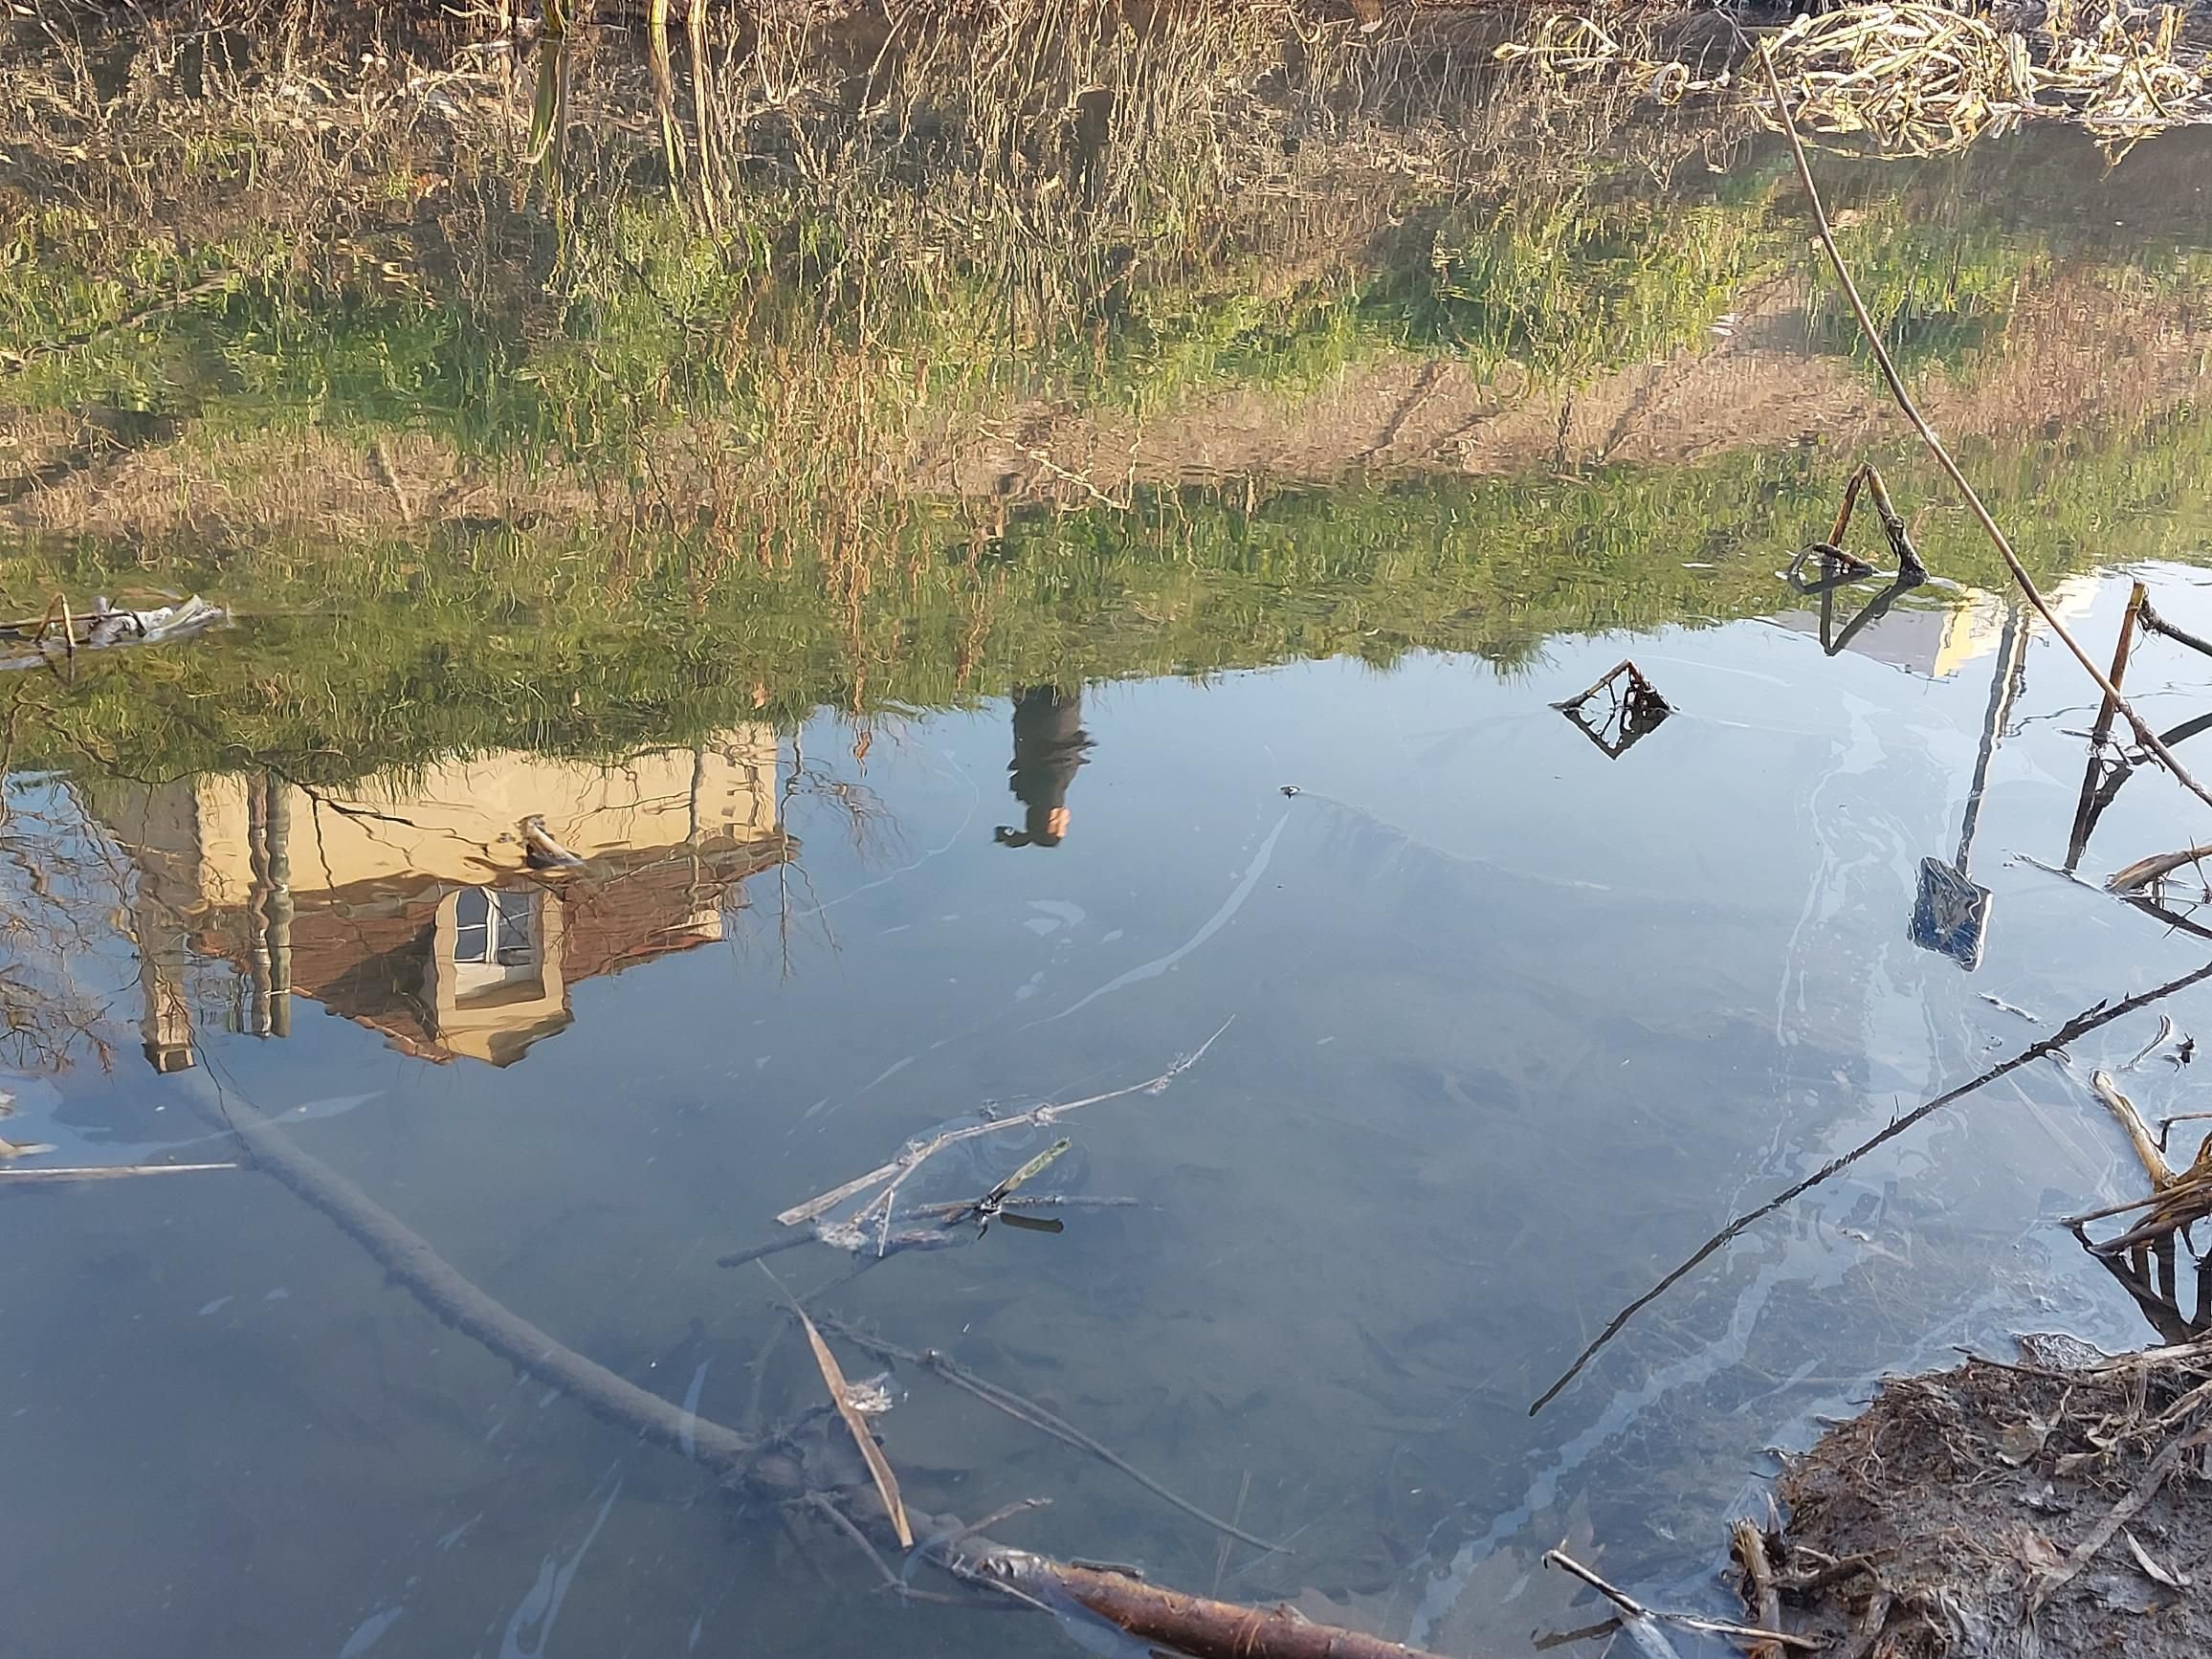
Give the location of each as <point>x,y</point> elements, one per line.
<point>400,652</point>
<point>1065,211</point>
<point>1568,284</point>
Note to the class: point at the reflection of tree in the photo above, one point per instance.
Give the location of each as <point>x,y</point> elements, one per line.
<point>869,824</point>
<point>59,886</point>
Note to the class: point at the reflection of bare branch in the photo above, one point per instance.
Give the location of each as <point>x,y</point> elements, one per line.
<point>2082,1023</point>
<point>59,882</point>
<point>872,825</point>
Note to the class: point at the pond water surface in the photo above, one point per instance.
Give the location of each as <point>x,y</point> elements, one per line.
<point>1500,1028</point>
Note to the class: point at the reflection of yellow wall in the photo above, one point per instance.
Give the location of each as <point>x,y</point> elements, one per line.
<point>497,1020</point>
<point>457,822</point>
<point>1977,623</point>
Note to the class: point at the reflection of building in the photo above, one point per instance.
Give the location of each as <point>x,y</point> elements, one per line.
<point>1930,630</point>
<point>413,910</point>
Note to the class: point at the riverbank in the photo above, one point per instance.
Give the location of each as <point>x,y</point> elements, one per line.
<point>2056,1504</point>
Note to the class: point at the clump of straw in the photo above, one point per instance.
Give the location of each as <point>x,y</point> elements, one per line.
<point>1928,80</point>
<point>1566,49</point>
<point>1921,77</point>
<point>1916,77</point>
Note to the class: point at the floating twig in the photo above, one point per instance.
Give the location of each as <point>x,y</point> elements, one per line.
<point>889,1177</point>
<point>2140,874</point>
<point>850,1238</point>
<point>1637,711</point>
<point>2165,1034</point>
<point>2080,1025</point>
<point>1642,1623</point>
<point>988,1207</point>
<point>841,1396</point>
<point>1635,1618</point>
<point>108,1171</point>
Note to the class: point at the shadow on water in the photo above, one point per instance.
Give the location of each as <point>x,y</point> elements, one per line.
<point>668,532</point>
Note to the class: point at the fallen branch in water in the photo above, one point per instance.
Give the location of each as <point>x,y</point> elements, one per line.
<point>2144,735</point>
<point>888,1178</point>
<point>1197,1625</point>
<point>1024,1409</point>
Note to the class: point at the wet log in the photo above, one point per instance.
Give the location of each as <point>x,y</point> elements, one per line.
<point>1194,1624</point>
<point>419,1269</point>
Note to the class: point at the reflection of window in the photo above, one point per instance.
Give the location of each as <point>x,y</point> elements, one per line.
<point>493,927</point>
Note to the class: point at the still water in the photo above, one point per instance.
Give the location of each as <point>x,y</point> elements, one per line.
<point>1502,1022</point>
<point>1511,1026</point>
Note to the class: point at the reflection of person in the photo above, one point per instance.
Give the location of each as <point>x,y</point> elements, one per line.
<point>1049,745</point>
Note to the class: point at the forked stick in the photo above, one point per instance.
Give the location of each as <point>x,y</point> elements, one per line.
<point>1022,1409</point>
<point>914,1154</point>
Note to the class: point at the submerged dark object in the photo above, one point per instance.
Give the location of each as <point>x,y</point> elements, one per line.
<point>1632,713</point>
<point>1950,914</point>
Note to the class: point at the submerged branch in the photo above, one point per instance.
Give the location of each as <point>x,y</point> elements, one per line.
<point>1026,1410</point>
<point>433,1282</point>
<point>1193,1625</point>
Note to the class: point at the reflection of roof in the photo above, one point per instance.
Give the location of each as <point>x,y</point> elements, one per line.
<point>1935,640</point>
<point>412,909</point>
<point>371,951</point>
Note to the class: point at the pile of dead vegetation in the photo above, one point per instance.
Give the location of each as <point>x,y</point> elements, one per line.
<point>2056,1504</point>
<point>1921,78</point>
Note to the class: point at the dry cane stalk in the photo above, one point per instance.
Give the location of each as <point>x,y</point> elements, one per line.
<point>2144,735</point>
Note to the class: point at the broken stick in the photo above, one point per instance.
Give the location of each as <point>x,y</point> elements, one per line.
<point>888,1178</point>
<point>1197,1625</point>
<point>1022,1409</point>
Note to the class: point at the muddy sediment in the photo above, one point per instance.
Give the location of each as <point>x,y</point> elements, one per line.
<point>2056,1506</point>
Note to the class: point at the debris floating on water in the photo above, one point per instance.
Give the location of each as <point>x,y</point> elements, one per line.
<point>1633,713</point>
<point>62,632</point>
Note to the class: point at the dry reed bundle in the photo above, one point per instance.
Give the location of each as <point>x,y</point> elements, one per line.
<point>1566,49</point>
<point>1928,80</point>
<point>1921,77</point>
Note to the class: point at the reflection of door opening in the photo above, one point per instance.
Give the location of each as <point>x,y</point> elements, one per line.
<point>494,941</point>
